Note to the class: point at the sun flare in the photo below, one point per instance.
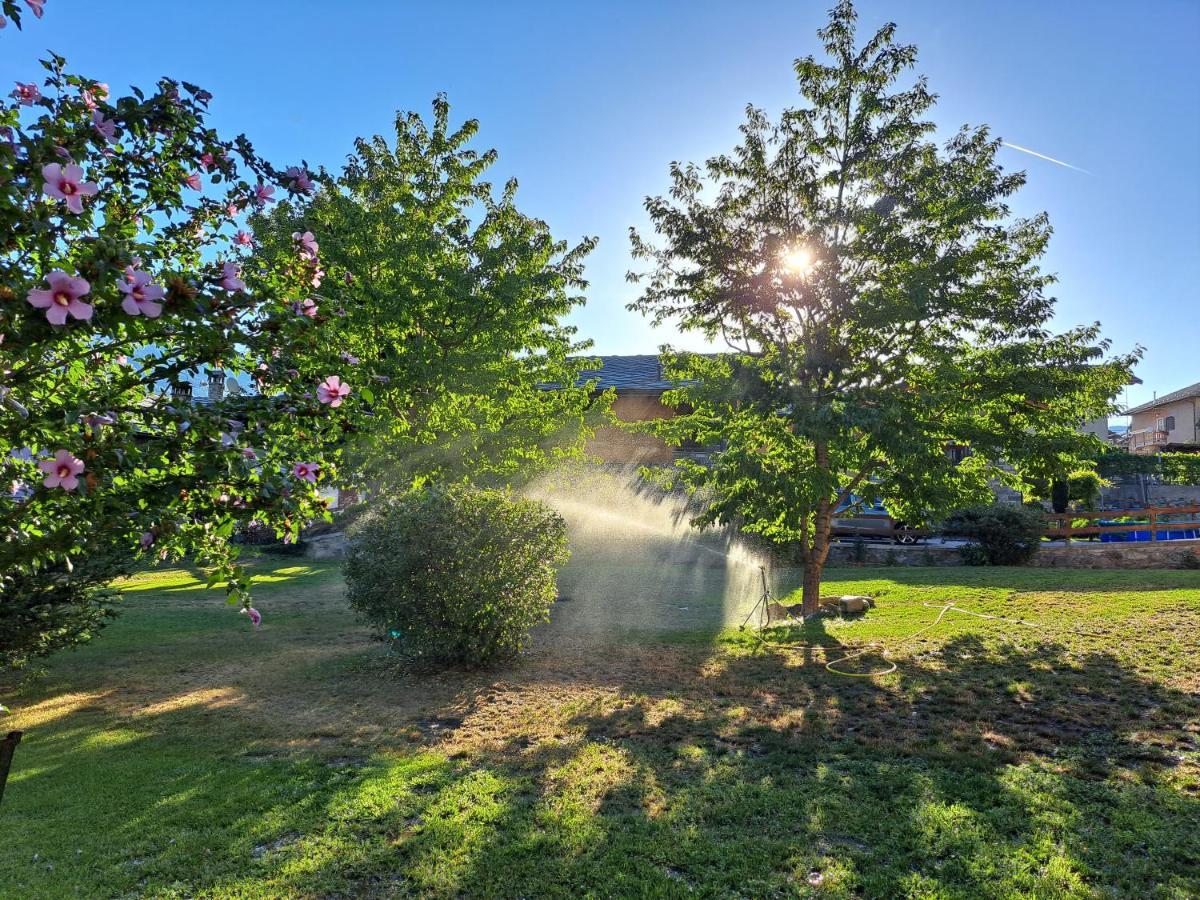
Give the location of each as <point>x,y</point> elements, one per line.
<point>797,260</point>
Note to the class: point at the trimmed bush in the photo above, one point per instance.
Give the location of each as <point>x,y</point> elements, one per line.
<point>455,576</point>
<point>1000,534</point>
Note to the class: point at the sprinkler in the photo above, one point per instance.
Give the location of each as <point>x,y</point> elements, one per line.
<point>761,604</point>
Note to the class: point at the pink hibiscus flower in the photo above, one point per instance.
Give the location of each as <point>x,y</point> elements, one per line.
<point>66,183</point>
<point>105,127</point>
<point>301,182</point>
<point>264,194</point>
<point>308,244</point>
<point>307,307</point>
<point>62,299</point>
<point>193,181</point>
<point>35,7</point>
<point>254,614</point>
<point>140,295</point>
<point>27,94</point>
<point>231,277</point>
<point>243,239</point>
<point>305,471</point>
<point>332,390</point>
<point>99,91</point>
<point>62,470</point>
<point>206,161</point>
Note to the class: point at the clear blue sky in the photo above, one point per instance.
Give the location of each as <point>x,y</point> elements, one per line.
<point>588,103</point>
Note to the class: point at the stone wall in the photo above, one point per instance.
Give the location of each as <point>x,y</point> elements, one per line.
<point>1139,555</point>
<point>326,546</point>
<point>847,553</point>
<point>1154,494</point>
<point>1133,555</point>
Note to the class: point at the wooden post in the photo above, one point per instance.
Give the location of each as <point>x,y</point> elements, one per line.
<point>7,746</point>
<point>1154,524</point>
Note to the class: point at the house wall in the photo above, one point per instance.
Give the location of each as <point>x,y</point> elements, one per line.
<point>1184,432</point>
<point>1098,427</point>
<point>616,445</point>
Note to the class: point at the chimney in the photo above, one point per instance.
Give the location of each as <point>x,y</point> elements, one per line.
<point>181,391</point>
<point>216,384</point>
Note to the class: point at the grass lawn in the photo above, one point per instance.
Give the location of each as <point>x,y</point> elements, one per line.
<point>183,754</point>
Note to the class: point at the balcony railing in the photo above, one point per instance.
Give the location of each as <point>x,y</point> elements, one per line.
<point>1146,437</point>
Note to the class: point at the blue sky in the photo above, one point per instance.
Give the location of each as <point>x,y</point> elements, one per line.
<point>588,103</point>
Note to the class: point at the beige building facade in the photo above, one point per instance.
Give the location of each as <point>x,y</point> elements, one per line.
<point>1169,423</point>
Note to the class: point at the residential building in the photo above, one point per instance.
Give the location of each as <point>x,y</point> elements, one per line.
<point>1170,423</point>
<point>639,384</point>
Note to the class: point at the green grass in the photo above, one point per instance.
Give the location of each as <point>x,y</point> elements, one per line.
<point>183,754</point>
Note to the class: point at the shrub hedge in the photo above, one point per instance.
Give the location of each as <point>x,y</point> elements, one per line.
<point>455,576</point>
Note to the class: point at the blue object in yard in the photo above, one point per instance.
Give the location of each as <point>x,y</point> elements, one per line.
<point>1178,534</point>
<point>1175,534</point>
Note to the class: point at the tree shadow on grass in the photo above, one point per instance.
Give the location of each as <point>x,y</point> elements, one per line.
<point>987,770</point>
<point>984,769</point>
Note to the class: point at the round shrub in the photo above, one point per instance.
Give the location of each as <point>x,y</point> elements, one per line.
<point>455,576</point>
<point>1000,534</point>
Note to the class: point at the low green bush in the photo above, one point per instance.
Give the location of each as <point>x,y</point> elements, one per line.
<point>46,610</point>
<point>455,576</point>
<point>999,534</point>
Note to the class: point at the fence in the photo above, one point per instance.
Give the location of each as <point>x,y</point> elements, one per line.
<point>1156,523</point>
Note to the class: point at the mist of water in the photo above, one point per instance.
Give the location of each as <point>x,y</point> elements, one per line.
<point>637,563</point>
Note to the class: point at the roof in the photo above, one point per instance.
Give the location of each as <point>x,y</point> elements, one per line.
<point>642,372</point>
<point>1192,390</point>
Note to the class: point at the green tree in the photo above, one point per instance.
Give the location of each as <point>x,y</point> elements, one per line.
<point>880,303</point>
<point>447,300</point>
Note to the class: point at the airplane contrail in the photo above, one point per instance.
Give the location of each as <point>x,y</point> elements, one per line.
<point>1057,162</point>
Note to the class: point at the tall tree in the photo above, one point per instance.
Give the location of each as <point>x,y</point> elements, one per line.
<point>880,303</point>
<point>447,300</point>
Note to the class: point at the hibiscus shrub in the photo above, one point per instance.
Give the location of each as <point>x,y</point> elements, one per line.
<point>126,275</point>
<point>455,576</point>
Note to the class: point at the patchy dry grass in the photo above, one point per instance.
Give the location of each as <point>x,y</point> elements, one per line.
<point>184,754</point>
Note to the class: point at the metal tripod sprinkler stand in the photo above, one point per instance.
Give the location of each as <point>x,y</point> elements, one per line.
<point>761,605</point>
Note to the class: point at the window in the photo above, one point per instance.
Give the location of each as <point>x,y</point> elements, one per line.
<point>1169,423</point>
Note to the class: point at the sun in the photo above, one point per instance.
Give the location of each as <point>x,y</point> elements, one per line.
<point>797,259</point>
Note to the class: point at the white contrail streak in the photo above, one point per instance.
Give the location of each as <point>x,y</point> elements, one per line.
<point>1057,162</point>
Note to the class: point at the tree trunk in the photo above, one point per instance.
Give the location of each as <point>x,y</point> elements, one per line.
<point>811,598</point>
<point>815,554</point>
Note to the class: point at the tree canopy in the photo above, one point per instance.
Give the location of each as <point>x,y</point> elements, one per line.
<point>447,300</point>
<point>880,304</point>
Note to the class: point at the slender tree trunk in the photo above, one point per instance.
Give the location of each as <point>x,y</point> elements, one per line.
<point>816,553</point>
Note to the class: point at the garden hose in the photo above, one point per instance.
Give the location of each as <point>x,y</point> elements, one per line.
<point>831,665</point>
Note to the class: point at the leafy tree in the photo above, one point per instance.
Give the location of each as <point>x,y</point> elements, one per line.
<point>880,304</point>
<point>121,281</point>
<point>446,299</point>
